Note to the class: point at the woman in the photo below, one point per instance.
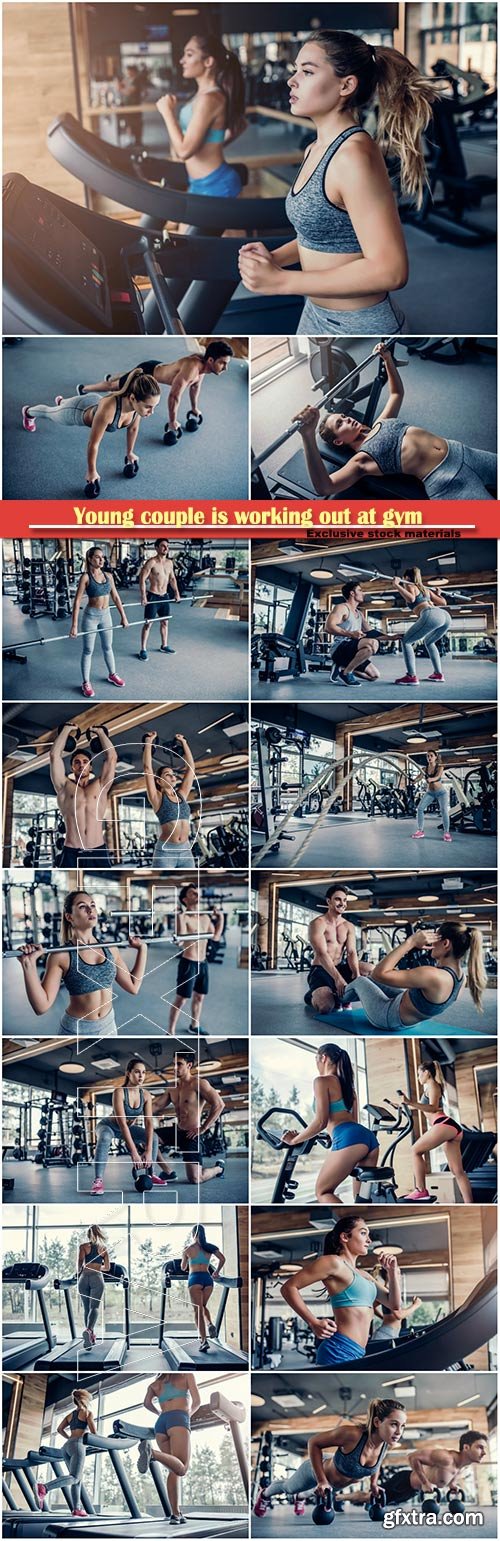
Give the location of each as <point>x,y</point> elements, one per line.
<point>93,1261</point>
<point>388,1323</point>
<point>130,1121</point>
<point>212,118</point>
<point>336,1109</point>
<point>437,791</point>
<point>73,1427</point>
<point>394,997</point>
<point>88,970</point>
<point>169,800</point>
<point>443,1130</point>
<point>124,408</point>
<point>349,241</point>
<point>352,1293</point>
<point>447,467</point>
<point>432,619</point>
<point>178,1398</point>
<point>359,1451</point>
<point>98,587</point>
<point>195,1261</point>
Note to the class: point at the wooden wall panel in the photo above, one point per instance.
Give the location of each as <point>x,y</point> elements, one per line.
<point>37,85</point>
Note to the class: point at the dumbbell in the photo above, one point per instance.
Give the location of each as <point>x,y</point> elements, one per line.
<point>431,1505</point>
<point>142,1180</point>
<point>131,467</point>
<point>171,435</point>
<point>92,489</point>
<point>323,1512</point>
<point>456,1505</point>
<point>376,1509</point>
<point>193,421</point>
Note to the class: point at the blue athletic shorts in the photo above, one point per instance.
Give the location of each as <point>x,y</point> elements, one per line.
<point>338,1349</point>
<point>353,1134</point>
<point>174,1420</point>
<point>201,1278</point>
<point>222,183</point>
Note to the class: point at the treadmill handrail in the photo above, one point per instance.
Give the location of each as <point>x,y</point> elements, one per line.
<point>474,1323</point>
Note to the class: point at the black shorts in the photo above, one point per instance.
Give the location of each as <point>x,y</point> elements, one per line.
<point>318,978</point>
<point>188,1144</point>
<point>148,368</point>
<point>73,856</point>
<point>157,608</point>
<point>192,976</point>
<point>345,652</point>
<point>398,1488</point>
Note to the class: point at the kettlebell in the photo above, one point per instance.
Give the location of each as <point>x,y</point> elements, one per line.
<point>193,421</point>
<point>323,1512</point>
<point>142,1180</point>
<point>72,741</point>
<point>92,489</point>
<point>95,742</point>
<point>431,1505</point>
<point>377,1508</point>
<point>130,468</point>
<point>171,435</point>
<point>456,1505</point>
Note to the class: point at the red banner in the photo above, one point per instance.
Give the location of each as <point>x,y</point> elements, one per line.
<point>40,520</point>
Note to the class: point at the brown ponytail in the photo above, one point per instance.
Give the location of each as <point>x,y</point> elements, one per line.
<point>142,385</point>
<point>435,1071</point>
<point>136,1060</point>
<point>381,1407</point>
<point>333,1243</point>
<point>405,99</point>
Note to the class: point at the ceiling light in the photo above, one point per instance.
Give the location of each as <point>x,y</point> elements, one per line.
<point>321,572</point>
<point>256,1401</point>
<point>215,724</point>
<point>475,1398</point>
<point>73,1067</point>
<point>427,899</point>
<point>389,1251</point>
<point>289,1400</point>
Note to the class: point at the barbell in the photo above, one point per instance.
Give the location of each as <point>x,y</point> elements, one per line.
<point>149,941</point>
<point>335,390</point>
<point>63,636</point>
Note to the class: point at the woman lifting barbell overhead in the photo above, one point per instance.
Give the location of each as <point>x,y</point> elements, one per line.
<point>443,1131</point>
<point>336,1110</point>
<point>88,970</point>
<point>98,587</point>
<point>211,119</point>
<point>359,1447</point>
<point>131,1121</point>
<point>352,1293</point>
<point>349,240</point>
<point>195,1262</point>
<point>138,398</point>
<point>393,997</point>
<point>168,797</point>
<point>448,468</point>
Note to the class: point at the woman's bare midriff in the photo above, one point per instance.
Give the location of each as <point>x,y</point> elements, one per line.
<point>92,1006</point>
<point>99,604</point>
<point>316,261</point>
<point>353,1321</point>
<point>209,160</point>
<point>421,453</point>
<point>176,834</point>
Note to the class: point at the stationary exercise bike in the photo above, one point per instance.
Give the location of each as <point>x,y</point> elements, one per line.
<point>378,1184</point>
<point>285,1186</point>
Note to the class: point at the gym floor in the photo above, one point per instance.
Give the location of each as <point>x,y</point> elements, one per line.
<point>226,1003</point>
<point>71,1185</point>
<point>467,679</point>
<point>278,1009</point>
<point>352,840</point>
<point>354,1522</point>
<point>211,653</point>
<point>212,463</point>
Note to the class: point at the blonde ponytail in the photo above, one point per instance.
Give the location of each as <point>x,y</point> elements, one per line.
<point>405,100</point>
<point>477,978</point>
<point>142,385</point>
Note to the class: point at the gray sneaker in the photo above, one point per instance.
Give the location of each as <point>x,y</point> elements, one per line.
<point>144,1457</point>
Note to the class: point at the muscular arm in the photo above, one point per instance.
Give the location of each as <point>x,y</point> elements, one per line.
<point>396,389</point>
<point>189,774</point>
<point>57,771</point>
<point>117,601</point>
<point>214,1102</point>
<point>103,415</point>
<point>80,594</point>
<point>313,1273</point>
<point>42,993</point>
<point>154,796</point>
<point>132,432</point>
<point>434,1456</point>
<point>333,623</point>
<point>108,772</point>
<point>351,952</point>
<point>326,1441</point>
<point>143,578</point>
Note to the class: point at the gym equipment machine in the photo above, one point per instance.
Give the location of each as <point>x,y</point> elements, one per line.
<point>182,1351</point>
<point>286,1186</point>
<point>21,1345</point>
<point>110,1353</point>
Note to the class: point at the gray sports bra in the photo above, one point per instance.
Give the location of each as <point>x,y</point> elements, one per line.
<point>94,590</point>
<point>81,977</point>
<point>385,446</point>
<point>319,224</point>
<point>170,808</point>
<point>350,1464</point>
<point>132,1115</point>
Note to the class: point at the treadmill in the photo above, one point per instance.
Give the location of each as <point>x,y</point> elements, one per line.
<point>21,1346</point>
<point>109,1354</point>
<point>182,1351</point>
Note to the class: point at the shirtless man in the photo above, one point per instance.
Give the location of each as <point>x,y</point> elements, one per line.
<point>192,971</point>
<point>351,648</point>
<point>155,578</point>
<point>432,1466</point>
<point>186,373</point>
<point>82,798</point>
<point>197,1106</point>
<point>335,960</point>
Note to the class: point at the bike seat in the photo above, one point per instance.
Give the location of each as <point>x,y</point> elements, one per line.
<point>379,1173</point>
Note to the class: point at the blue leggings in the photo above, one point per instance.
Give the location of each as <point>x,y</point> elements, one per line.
<point>338,1350</point>
<point>443,798</point>
<point>432,624</point>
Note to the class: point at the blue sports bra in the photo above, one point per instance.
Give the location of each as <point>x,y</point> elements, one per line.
<point>94,589</point>
<point>360,1292</point>
<point>214,135</point>
<point>199,1261</point>
<point>434,1008</point>
<point>172,809</point>
<point>82,978</point>
<point>319,224</point>
<point>168,1393</point>
<point>350,1465</point>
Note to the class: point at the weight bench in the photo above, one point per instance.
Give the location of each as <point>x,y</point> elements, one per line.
<point>294,476</point>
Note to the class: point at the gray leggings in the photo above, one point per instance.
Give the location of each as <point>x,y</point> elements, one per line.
<point>443,798</point>
<point>463,473</point>
<point>168,856</point>
<point>73,1451</point>
<point>384,319</point>
<point>71,411</point>
<point>380,1002</point>
<point>432,624</point>
<point>91,1291</point>
<point>107,1131</point>
<point>97,623</point>
<point>302,1480</point>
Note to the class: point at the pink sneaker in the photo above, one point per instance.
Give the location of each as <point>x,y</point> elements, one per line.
<point>260,1508</point>
<point>114,679</point>
<point>448,838</point>
<point>299,1506</point>
<point>79,1514</point>
<point>87,690</point>
<point>418,1195</point>
<point>28,422</point>
<point>437,679</point>
<point>418,834</point>
<point>58,400</point>
<point>407,679</point>
<point>41,1492</point>
<point>97,1185</point>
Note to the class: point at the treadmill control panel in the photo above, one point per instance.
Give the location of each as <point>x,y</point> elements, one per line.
<point>39,229</point>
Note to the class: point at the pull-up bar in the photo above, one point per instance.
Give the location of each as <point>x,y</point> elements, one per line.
<point>336,390</point>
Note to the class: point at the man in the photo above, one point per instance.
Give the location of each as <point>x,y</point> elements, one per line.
<point>352,649</point>
<point>155,577</point>
<point>197,1106</point>
<point>192,971</point>
<point>335,960</point>
<point>433,1465</point>
<point>82,799</point>
<point>186,373</point>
